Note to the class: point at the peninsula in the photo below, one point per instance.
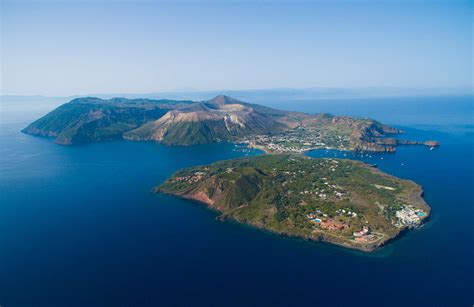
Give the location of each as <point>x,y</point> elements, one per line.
<point>339,201</point>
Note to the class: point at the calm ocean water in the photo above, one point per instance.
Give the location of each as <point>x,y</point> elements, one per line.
<point>79,225</point>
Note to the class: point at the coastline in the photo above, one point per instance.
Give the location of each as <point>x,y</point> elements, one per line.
<point>322,237</point>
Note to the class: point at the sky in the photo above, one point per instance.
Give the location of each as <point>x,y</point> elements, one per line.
<point>104,46</point>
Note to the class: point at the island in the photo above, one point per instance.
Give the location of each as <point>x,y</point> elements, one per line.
<point>186,122</point>
<point>339,201</point>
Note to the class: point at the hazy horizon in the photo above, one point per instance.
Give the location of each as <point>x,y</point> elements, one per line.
<point>313,93</point>
<point>60,48</point>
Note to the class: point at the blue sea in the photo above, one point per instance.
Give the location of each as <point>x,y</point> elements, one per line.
<point>79,226</point>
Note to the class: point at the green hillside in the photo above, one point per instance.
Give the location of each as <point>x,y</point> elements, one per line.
<point>91,119</point>
<point>318,199</point>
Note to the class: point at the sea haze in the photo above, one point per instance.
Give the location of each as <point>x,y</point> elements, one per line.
<point>79,225</point>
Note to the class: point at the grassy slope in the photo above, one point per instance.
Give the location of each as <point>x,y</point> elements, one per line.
<point>91,119</point>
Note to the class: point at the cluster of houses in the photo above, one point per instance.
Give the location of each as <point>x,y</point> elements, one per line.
<point>363,235</point>
<point>315,215</point>
<point>336,188</point>
<point>346,212</point>
<point>324,193</point>
<point>333,165</point>
<point>322,219</point>
<point>297,140</point>
<point>332,224</point>
<point>197,176</point>
<point>409,216</point>
<point>324,222</point>
<point>318,193</point>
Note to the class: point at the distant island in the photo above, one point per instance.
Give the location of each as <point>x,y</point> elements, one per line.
<point>222,118</point>
<point>339,201</point>
<point>335,200</point>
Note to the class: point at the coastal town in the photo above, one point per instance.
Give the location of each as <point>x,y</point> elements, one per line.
<point>297,140</point>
